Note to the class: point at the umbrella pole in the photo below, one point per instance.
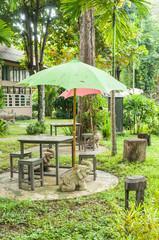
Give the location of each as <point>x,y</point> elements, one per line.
<point>74,130</point>
<point>90,113</point>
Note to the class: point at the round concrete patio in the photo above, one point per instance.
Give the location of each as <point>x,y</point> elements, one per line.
<point>50,191</point>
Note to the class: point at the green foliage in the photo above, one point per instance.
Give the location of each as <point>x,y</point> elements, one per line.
<point>3,127</point>
<point>138,223</point>
<point>98,110</point>
<point>105,127</point>
<point>63,107</point>
<point>61,114</point>
<point>67,131</point>
<point>22,117</point>
<point>5,33</point>
<point>36,128</point>
<point>1,98</point>
<point>138,109</point>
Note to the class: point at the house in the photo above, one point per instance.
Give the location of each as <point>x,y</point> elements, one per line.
<point>17,97</point>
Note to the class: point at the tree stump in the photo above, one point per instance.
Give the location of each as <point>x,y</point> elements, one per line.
<point>135,149</point>
<point>135,183</point>
<point>145,136</point>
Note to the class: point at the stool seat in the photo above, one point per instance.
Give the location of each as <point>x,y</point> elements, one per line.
<point>16,155</point>
<point>89,155</point>
<point>31,163</point>
<point>135,183</point>
<point>85,136</point>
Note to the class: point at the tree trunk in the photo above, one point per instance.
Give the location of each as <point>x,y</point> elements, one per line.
<point>113,123</point>
<point>87,54</point>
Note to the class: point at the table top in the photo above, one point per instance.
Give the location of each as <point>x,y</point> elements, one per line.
<point>46,139</point>
<point>64,124</point>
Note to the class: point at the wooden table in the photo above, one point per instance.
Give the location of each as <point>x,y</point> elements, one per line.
<point>56,125</point>
<point>56,140</point>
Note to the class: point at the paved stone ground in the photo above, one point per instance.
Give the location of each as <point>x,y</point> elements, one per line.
<point>50,191</point>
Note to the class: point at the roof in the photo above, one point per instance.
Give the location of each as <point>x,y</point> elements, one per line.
<point>10,54</point>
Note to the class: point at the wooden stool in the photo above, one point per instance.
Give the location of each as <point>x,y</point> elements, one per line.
<point>31,163</point>
<point>135,183</point>
<point>85,136</point>
<point>16,155</point>
<point>89,155</point>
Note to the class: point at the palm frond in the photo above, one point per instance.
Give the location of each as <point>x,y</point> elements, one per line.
<point>142,7</point>
<point>5,33</point>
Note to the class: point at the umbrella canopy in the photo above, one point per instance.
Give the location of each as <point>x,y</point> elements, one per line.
<point>72,75</point>
<point>80,92</point>
<point>75,74</point>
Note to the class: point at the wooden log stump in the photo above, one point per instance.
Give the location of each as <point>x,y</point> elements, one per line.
<point>145,136</point>
<point>135,149</point>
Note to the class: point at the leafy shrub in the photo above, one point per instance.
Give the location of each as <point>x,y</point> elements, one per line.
<point>21,117</point>
<point>61,114</point>
<point>3,127</point>
<point>137,110</point>
<point>106,128</point>
<point>34,114</point>
<point>36,128</point>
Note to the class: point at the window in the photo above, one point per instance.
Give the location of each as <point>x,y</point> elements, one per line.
<point>28,100</point>
<point>22,100</point>
<point>4,73</point>
<point>14,74</point>
<point>17,100</point>
<point>10,100</point>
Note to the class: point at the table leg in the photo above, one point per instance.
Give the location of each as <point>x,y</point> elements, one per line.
<point>21,150</point>
<point>50,129</point>
<point>55,131</point>
<point>41,150</point>
<point>57,163</point>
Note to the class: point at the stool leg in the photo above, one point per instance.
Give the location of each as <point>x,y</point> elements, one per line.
<point>80,159</point>
<point>42,174</point>
<point>11,167</point>
<point>140,196</point>
<point>94,167</point>
<point>126,199</point>
<point>29,174</point>
<point>32,176</point>
<point>20,175</point>
<point>84,144</point>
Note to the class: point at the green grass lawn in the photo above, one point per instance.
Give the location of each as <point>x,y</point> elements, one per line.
<point>19,128</point>
<point>97,217</point>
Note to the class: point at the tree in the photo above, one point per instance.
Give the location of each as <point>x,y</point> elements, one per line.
<point>111,16</point>
<point>34,19</point>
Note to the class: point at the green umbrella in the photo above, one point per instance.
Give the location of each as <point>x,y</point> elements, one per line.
<point>72,75</point>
